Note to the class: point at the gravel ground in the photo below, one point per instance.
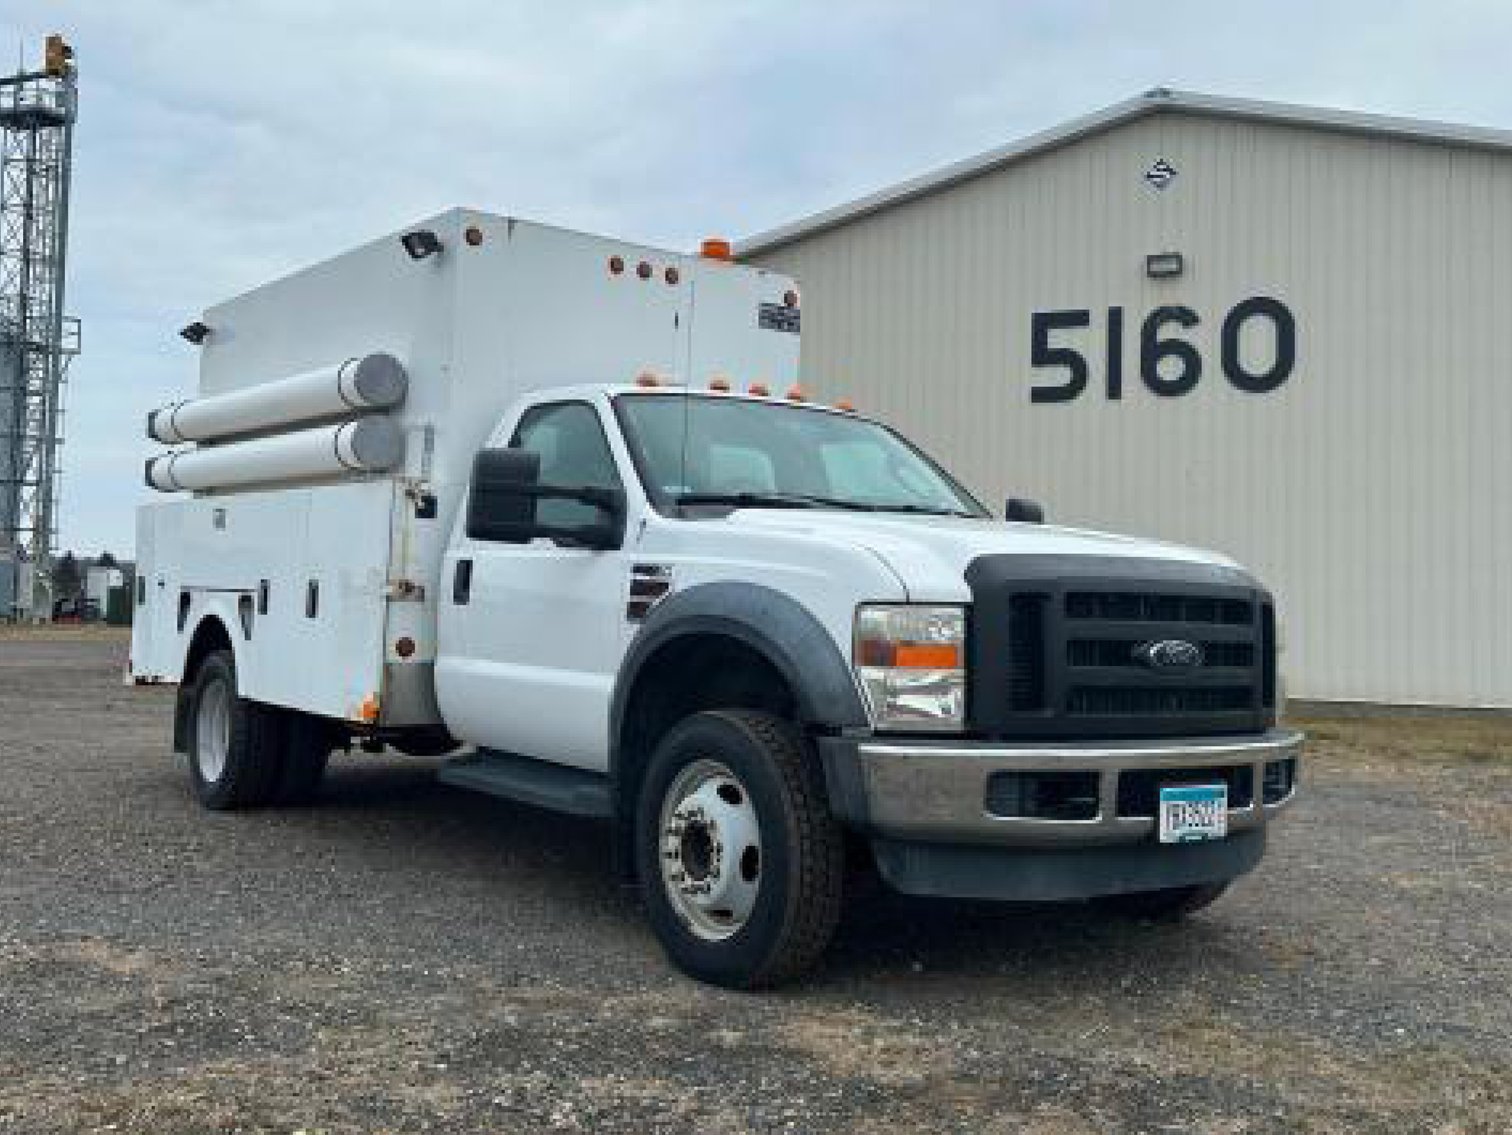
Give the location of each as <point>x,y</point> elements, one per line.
<point>406,957</point>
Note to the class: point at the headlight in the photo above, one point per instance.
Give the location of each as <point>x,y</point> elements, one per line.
<point>911,660</point>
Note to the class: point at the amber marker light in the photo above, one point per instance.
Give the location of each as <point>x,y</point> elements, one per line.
<point>846,405</point>
<point>716,248</point>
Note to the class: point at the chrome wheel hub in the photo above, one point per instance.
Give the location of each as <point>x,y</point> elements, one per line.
<point>710,849</point>
<point>212,731</point>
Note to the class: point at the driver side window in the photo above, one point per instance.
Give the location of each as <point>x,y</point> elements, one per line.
<point>574,452</point>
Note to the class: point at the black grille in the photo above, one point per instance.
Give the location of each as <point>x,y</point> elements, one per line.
<point>1026,652</point>
<point>1268,649</point>
<point>1120,652</point>
<point>1100,647</point>
<point>1142,700</point>
<point>1144,607</point>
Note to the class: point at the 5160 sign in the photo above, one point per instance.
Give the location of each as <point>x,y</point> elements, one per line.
<point>1169,365</point>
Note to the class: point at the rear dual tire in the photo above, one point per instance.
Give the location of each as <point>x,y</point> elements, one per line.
<point>243,754</point>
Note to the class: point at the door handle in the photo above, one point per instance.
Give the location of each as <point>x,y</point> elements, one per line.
<point>462,583</point>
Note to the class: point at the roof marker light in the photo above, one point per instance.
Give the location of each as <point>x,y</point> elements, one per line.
<point>796,394</point>
<point>716,248</point>
<point>759,389</point>
<point>720,383</point>
<point>846,405</point>
<point>647,379</point>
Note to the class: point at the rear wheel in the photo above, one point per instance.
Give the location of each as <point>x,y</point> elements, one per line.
<point>740,858</point>
<point>235,745</point>
<point>1168,905</point>
<point>307,750</point>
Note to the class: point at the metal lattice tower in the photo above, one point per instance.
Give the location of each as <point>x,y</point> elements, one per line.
<point>37,341</point>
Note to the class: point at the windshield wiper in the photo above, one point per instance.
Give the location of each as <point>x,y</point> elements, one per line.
<point>921,509</point>
<point>771,500</point>
<point>809,500</point>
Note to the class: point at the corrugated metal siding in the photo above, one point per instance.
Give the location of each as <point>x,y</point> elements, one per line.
<point>1370,491</point>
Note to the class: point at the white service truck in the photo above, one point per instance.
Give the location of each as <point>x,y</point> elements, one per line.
<point>547,500</point>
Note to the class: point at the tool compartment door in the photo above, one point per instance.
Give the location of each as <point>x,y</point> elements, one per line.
<point>298,577</point>
<point>325,650</point>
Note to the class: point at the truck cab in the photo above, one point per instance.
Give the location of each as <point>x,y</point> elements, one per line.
<point>761,636</point>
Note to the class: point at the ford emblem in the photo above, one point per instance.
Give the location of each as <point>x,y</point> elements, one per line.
<point>1169,654</point>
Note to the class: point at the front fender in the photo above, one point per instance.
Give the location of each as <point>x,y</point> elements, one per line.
<point>775,625</point>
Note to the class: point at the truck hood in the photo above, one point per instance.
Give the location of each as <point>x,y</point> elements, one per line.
<point>930,554</point>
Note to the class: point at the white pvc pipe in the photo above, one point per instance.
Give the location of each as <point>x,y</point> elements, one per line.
<point>374,382</point>
<point>367,445</point>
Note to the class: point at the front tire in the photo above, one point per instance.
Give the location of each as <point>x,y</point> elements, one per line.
<point>235,745</point>
<point>739,856</point>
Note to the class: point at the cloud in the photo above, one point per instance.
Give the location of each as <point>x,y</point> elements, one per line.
<point>221,144</point>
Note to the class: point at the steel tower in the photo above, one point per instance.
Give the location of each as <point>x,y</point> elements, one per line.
<point>37,341</point>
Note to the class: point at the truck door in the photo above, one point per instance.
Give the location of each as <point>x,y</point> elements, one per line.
<point>531,632</point>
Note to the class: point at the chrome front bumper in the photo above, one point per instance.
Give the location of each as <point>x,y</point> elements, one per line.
<point>936,792</point>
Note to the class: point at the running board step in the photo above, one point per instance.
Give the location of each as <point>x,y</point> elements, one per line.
<point>541,783</point>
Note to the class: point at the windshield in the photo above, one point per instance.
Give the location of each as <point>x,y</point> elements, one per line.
<point>697,449</point>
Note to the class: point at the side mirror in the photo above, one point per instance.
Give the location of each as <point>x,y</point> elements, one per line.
<point>1024,511</point>
<point>502,503</point>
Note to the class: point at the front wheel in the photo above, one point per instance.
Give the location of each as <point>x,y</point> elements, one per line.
<point>737,851</point>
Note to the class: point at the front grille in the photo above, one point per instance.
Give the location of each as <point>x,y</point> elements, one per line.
<point>1026,652</point>
<point>1094,647</point>
<point>1116,652</point>
<point>1140,700</point>
<point>1143,607</point>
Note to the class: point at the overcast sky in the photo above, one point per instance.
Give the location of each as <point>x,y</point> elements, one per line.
<point>224,142</point>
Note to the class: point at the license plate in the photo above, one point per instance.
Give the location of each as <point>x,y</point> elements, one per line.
<point>1191,812</point>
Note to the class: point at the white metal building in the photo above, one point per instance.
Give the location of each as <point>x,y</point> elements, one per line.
<point>1342,418</point>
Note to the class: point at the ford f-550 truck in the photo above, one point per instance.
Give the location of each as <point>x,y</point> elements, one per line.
<point>546,502</point>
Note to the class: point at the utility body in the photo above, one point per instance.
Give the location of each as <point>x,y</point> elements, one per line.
<point>546,502</point>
